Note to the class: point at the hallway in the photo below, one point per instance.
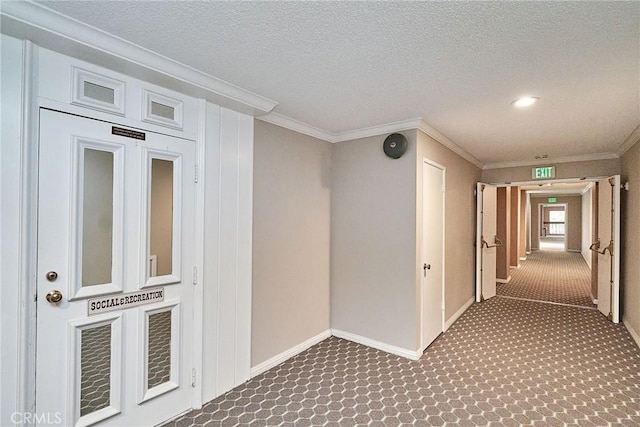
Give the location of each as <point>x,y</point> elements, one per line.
<point>505,362</point>
<point>552,276</point>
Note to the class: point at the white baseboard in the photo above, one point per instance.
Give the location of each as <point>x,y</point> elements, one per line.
<point>503,281</point>
<point>595,301</point>
<point>388,348</point>
<point>458,313</point>
<point>523,258</point>
<point>287,354</point>
<point>635,335</point>
<point>515,266</point>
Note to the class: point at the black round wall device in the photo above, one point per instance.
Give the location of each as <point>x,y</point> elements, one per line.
<point>395,145</point>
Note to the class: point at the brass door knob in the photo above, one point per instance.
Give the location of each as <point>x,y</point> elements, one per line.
<point>54,297</point>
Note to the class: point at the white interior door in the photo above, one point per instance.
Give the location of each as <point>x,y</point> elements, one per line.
<point>609,247</point>
<point>115,300</point>
<point>486,241</point>
<point>433,187</point>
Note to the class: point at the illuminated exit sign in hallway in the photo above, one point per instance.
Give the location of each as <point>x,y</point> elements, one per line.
<point>545,172</point>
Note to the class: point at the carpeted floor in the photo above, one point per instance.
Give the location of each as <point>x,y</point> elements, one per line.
<point>505,362</point>
<point>554,276</point>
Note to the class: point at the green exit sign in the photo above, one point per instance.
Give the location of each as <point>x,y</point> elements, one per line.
<point>552,199</point>
<point>544,172</point>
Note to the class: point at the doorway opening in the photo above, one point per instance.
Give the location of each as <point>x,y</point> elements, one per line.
<point>567,231</point>
<point>552,227</point>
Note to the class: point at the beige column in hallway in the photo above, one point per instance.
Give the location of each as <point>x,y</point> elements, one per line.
<point>522,249</point>
<point>514,224</point>
<point>503,231</point>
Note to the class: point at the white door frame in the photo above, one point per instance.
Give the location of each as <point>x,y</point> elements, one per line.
<point>541,206</point>
<point>444,220</point>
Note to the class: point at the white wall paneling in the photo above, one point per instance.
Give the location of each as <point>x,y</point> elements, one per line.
<point>211,176</point>
<point>227,274</point>
<point>18,194</point>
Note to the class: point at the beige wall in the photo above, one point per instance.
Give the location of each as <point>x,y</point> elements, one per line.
<point>630,245</point>
<point>373,242</point>
<point>563,170</point>
<point>573,221</point>
<point>460,205</point>
<point>503,232</point>
<point>291,240</point>
<point>514,258</point>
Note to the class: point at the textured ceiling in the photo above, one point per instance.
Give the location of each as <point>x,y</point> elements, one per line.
<point>343,66</point>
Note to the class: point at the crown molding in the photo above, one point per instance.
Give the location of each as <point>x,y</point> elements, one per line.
<point>552,160</point>
<point>418,123</point>
<point>377,130</point>
<point>629,142</point>
<point>309,130</point>
<point>297,126</point>
<point>442,139</point>
<point>52,30</point>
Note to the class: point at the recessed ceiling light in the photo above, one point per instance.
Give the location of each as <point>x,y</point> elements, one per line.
<point>524,102</point>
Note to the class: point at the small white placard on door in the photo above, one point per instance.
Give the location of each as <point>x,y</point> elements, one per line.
<point>124,301</point>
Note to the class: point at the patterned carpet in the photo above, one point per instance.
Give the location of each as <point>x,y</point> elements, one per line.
<point>554,276</point>
<point>505,362</point>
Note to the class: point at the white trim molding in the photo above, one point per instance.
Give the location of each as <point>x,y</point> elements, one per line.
<point>377,130</point>
<point>458,313</point>
<point>288,354</point>
<point>387,348</point>
<point>634,334</point>
<point>442,139</point>
<point>417,123</point>
<point>630,141</point>
<point>52,30</point>
<point>552,160</point>
<point>297,126</point>
<point>503,280</point>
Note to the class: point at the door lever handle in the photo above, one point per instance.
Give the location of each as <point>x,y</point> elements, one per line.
<point>426,267</point>
<point>497,243</point>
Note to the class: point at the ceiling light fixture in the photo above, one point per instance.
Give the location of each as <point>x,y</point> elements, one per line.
<point>527,101</point>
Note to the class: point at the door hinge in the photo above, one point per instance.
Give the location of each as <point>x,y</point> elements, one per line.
<point>193,377</point>
<point>194,276</point>
<point>195,173</point>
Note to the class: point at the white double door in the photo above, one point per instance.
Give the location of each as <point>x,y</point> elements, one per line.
<point>115,237</point>
<point>608,247</point>
<point>486,241</point>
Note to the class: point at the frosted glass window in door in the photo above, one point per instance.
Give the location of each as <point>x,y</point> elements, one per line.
<point>161,218</point>
<point>97,217</point>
